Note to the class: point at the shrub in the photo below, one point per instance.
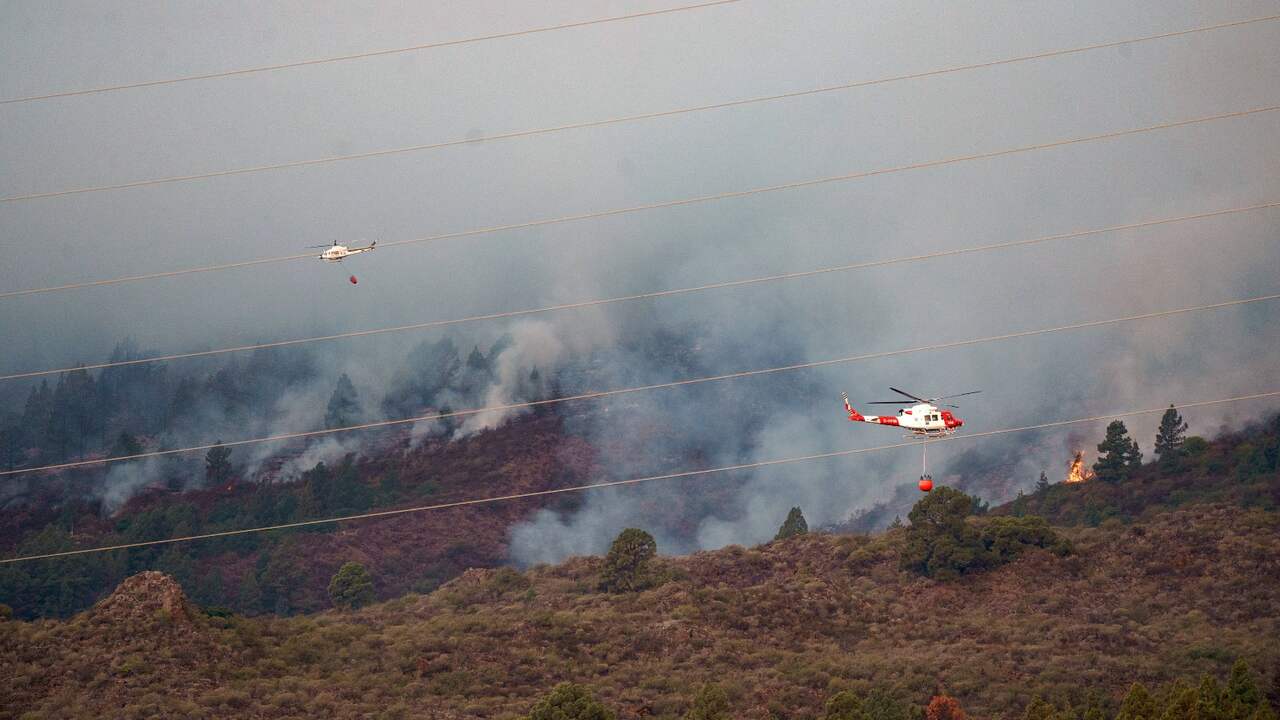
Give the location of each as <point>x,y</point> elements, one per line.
<point>1006,537</point>
<point>711,703</point>
<point>626,567</point>
<point>943,707</point>
<point>568,701</point>
<point>845,705</point>
<point>351,586</point>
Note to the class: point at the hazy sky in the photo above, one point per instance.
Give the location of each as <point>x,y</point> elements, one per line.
<point>698,57</point>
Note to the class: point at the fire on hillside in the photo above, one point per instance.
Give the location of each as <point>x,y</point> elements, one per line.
<point>1077,472</point>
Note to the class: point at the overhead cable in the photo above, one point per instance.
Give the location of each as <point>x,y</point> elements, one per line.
<point>621,119</point>
<point>361,55</point>
<point>632,481</point>
<point>598,394</point>
<point>675,203</point>
<point>648,295</point>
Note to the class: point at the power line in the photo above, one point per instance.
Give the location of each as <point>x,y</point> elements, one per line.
<point>363,55</point>
<point>632,481</point>
<point>622,119</point>
<point>680,202</point>
<point>598,394</point>
<point>649,295</point>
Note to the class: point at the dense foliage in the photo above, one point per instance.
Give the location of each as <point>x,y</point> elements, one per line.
<point>942,542</point>
<point>627,567</point>
<point>568,701</point>
<point>351,586</point>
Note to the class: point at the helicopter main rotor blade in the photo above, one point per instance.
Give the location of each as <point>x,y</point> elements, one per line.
<point>891,402</point>
<point>913,397</point>
<point>948,397</point>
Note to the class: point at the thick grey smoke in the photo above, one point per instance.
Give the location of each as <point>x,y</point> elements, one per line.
<point>673,61</point>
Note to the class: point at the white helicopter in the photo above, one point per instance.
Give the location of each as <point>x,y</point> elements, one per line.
<point>924,419</point>
<point>336,252</point>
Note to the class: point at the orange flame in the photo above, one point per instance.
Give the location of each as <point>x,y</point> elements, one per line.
<point>1077,472</point>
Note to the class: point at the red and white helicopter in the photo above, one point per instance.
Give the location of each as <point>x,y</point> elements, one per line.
<point>924,419</point>
<point>336,252</point>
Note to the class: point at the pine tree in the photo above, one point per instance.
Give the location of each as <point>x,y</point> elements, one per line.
<point>351,587</point>
<point>711,703</point>
<point>217,464</point>
<point>35,415</point>
<point>1181,703</point>
<point>1043,483</point>
<point>1137,705</point>
<point>793,525</point>
<point>1242,696</point>
<point>1019,508</point>
<point>1211,704</point>
<point>344,408</point>
<point>568,701</point>
<point>1118,455</point>
<point>626,567</point>
<point>1169,438</point>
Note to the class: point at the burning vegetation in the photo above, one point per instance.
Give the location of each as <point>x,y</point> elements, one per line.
<point>1077,472</point>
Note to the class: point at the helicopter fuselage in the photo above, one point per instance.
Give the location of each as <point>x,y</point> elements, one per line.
<point>923,419</point>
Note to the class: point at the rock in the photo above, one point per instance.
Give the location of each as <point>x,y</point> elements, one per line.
<point>145,599</point>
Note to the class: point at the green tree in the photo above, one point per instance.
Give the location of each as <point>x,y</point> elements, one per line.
<point>626,567</point>
<point>1242,696</point>
<point>793,525</point>
<point>1170,438</point>
<point>344,407</point>
<point>1211,704</point>
<point>1043,483</point>
<point>940,541</point>
<point>351,587</point>
<point>1194,446</point>
<point>569,701</point>
<point>711,703</point>
<point>845,705</point>
<point>1181,704</point>
<point>1138,704</point>
<point>217,464</point>
<point>1118,455</point>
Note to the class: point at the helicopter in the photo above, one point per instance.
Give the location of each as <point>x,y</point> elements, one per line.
<point>924,419</point>
<point>336,252</point>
